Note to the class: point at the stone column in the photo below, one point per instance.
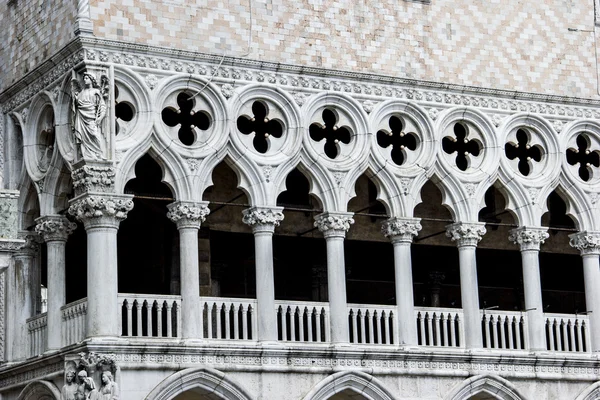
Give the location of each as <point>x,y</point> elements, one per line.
<point>55,230</point>
<point>334,226</point>
<point>401,232</point>
<point>529,240</point>
<point>588,243</point>
<point>188,216</point>
<point>467,235</point>
<point>23,291</point>
<point>101,214</point>
<point>263,221</point>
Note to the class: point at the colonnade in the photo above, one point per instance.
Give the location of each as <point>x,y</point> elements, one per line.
<point>102,213</point>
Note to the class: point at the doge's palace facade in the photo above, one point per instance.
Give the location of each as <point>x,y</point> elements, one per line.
<point>314,200</point>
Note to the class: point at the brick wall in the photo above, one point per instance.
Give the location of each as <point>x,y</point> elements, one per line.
<point>30,32</point>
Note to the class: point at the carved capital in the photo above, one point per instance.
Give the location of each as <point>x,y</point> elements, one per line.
<point>100,209</point>
<point>31,244</point>
<point>529,238</point>
<point>10,245</point>
<point>263,218</point>
<point>401,229</point>
<point>93,177</point>
<point>334,223</point>
<point>586,242</point>
<point>187,214</point>
<point>54,228</point>
<point>466,233</point>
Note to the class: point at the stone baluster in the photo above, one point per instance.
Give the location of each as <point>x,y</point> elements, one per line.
<point>101,214</point>
<point>55,230</point>
<point>188,217</point>
<point>529,240</point>
<point>588,243</point>
<point>401,232</point>
<point>467,235</point>
<point>334,226</point>
<point>263,221</point>
<point>24,290</point>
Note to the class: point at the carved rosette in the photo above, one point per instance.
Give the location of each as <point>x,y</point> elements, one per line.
<point>54,228</point>
<point>97,208</point>
<point>529,238</point>
<point>334,224</point>
<point>187,214</point>
<point>263,218</point>
<point>93,178</point>
<point>587,243</point>
<point>466,233</point>
<point>401,229</point>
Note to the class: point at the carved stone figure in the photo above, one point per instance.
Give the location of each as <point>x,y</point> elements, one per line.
<point>87,388</point>
<point>109,389</point>
<point>89,109</point>
<point>69,390</point>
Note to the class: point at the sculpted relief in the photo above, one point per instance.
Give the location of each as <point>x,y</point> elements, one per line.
<point>82,385</point>
<point>89,108</point>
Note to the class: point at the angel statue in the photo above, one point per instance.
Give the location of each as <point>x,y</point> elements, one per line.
<point>89,109</point>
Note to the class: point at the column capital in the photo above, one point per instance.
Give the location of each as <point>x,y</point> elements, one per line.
<point>101,209</point>
<point>528,237</point>
<point>586,242</point>
<point>400,229</point>
<point>465,233</point>
<point>93,176</point>
<point>54,228</point>
<point>188,214</point>
<point>31,246</point>
<point>334,224</point>
<point>263,218</point>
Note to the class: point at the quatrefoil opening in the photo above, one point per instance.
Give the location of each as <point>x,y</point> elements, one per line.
<point>124,110</point>
<point>396,137</point>
<point>464,147</point>
<point>331,132</point>
<point>584,156</point>
<point>524,151</point>
<point>187,118</point>
<point>261,126</point>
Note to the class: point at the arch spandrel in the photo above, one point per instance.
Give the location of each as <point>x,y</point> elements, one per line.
<point>209,380</point>
<point>494,386</point>
<point>357,382</point>
<point>40,390</point>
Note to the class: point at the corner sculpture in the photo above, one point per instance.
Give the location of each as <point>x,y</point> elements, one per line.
<point>89,109</point>
<point>90,368</point>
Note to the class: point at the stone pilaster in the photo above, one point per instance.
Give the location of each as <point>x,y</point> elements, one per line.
<point>467,235</point>
<point>401,232</point>
<point>188,216</point>
<point>529,240</point>
<point>263,221</point>
<point>334,227</point>
<point>588,244</point>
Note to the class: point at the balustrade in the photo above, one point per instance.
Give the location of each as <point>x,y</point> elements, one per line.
<point>150,315</point>
<point>228,318</point>
<point>38,334</point>
<point>440,327</point>
<point>74,321</point>
<point>504,330</point>
<point>371,324</point>
<point>567,332</point>
<point>302,321</point>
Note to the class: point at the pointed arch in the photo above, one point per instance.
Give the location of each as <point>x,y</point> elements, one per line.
<point>39,390</point>
<point>592,392</point>
<point>497,387</point>
<point>210,380</point>
<point>29,203</point>
<point>356,381</point>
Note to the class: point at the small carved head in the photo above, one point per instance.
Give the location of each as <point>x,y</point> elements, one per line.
<point>89,80</point>
<point>70,376</point>
<point>106,377</point>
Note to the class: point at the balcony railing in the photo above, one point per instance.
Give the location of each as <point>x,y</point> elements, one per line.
<point>74,321</point>
<point>38,334</point>
<point>302,321</point>
<point>440,327</point>
<point>566,332</point>
<point>372,324</point>
<point>149,315</point>
<point>228,318</point>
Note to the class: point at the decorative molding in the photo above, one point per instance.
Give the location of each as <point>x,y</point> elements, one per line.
<point>11,245</point>
<point>8,213</point>
<point>52,228</point>
<point>187,214</point>
<point>96,178</point>
<point>100,208</point>
<point>529,238</point>
<point>586,242</point>
<point>401,229</point>
<point>263,218</point>
<point>28,374</point>
<point>466,233</point>
<point>334,223</point>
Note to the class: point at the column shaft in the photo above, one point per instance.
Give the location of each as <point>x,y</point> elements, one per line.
<point>56,292</point>
<point>469,292</point>
<point>336,283</point>
<point>407,323</point>
<point>190,283</point>
<point>23,303</point>
<point>591,277</point>
<point>265,286</point>
<point>532,286</point>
